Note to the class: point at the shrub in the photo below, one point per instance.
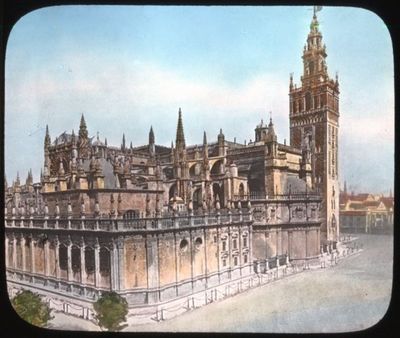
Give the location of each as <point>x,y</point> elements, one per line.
<point>31,308</point>
<point>111,310</point>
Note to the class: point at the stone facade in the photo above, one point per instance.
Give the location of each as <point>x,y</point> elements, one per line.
<point>314,126</point>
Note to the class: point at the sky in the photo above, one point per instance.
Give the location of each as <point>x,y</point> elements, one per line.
<point>129,67</point>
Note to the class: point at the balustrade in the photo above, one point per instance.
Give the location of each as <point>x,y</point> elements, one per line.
<point>116,224</point>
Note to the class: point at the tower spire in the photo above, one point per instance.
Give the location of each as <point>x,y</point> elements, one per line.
<point>180,137</point>
<point>47,140</point>
<point>83,133</point>
<point>123,142</point>
<point>151,136</point>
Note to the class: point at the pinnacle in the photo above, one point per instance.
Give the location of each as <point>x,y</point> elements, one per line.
<point>180,137</point>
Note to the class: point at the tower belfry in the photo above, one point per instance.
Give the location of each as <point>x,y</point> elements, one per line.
<point>314,125</point>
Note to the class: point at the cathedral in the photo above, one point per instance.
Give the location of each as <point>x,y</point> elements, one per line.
<point>156,224</point>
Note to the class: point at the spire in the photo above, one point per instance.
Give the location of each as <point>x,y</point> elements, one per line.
<point>73,138</point>
<point>314,22</point>
<point>47,140</point>
<point>83,133</point>
<point>205,146</point>
<point>180,137</point>
<point>291,82</point>
<point>204,138</point>
<point>151,136</point>
<point>271,132</point>
<point>29,179</point>
<point>123,142</point>
<point>17,182</point>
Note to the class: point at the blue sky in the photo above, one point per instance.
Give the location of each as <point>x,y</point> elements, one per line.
<point>129,67</point>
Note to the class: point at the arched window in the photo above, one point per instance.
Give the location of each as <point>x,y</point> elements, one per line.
<point>183,246</point>
<point>308,101</point>
<point>105,262</point>
<point>76,259</point>
<point>89,260</point>
<point>63,257</point>
<point>311,65</point>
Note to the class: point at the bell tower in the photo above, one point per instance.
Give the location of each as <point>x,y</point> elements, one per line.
<point>314,125</point>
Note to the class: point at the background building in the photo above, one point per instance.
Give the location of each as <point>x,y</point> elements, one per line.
<point>367,213</point>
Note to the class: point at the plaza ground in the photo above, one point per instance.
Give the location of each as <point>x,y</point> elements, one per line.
<point>352,295</point>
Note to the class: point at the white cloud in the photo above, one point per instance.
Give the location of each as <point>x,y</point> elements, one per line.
<point>128,95</point>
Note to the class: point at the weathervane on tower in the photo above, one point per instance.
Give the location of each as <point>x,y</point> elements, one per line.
<point>317,9</point>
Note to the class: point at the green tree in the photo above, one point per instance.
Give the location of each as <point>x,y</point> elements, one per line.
<point>31,308</point>
<point>111,310</point>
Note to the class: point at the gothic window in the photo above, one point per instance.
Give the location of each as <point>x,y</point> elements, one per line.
<point>63,257</point>
<point>215,239</point>
<point>75,259</point>
<point>245,259</point>
<point>235,260</point>
<point>224,262</point>
<point>223,245</point>
<point>89,260</point>
<point>105,263</point>
<point>245,242</point>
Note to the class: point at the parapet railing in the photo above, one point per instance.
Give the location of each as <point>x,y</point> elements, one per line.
<point>254,196</point>
<point>119,224</point>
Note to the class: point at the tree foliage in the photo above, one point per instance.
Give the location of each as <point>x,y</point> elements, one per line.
<point>111,310</point>
<point>31,308</point>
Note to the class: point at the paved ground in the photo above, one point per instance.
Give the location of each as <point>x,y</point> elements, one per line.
<point>62,321</point>
<point>350,296</point>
